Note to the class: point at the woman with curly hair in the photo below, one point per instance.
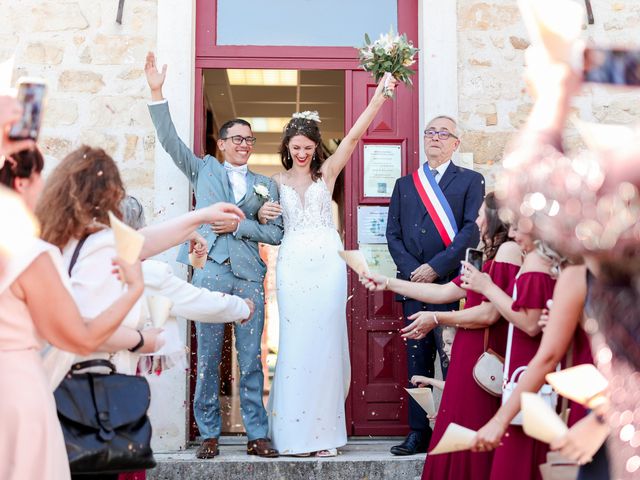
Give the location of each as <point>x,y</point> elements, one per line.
<point>36,306</point>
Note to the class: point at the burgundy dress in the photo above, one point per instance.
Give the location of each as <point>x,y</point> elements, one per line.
<point>463,401</point>
<point>519,455</point>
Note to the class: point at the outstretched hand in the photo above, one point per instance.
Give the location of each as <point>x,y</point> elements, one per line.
<point>386,86</point>
<point>475,280</point>
<point>423,323</point>
<point>155,78</point>
<point>375,282</point>
<point>488,437</point>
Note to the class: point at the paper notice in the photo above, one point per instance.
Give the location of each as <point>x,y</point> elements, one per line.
<point>159,309</point>
<point>455,439</point>
<point>539,421</point>
<point>424,397</point>
<point>582,383</point>
<point>356,260</point>
<point>128,241</point>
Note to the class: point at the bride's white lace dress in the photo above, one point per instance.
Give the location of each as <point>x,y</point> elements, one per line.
<point>306,405</point>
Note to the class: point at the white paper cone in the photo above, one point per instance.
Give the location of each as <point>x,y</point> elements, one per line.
<point>129,242</point>
<point>554,25</point>
<point>581,383</point>
<point>539,421</point>
<point>197,261</point>
<point>424,397</point>
<point>19,226</point>
<point>159,309</point>
<point>356,260</point>
<point>455,439</point>
<point>602,136</point>
<point>6,75</point>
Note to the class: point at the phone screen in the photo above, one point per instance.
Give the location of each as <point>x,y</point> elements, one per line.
<point>31,97</point>
<point>614,66</point>
<point>474,257</point>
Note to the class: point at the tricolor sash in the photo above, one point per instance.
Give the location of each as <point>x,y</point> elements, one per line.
<point>436,204</point>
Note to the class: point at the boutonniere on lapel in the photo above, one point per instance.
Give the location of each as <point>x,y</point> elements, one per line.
<point>262,191</point>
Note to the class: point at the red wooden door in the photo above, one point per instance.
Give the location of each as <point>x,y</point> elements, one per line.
<point>378,356</point>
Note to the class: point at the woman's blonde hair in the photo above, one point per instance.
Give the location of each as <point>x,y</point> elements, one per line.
<point>78,196</point>
<point>557,261</point>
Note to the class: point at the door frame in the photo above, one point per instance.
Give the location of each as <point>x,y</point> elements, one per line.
<point>211,56</point>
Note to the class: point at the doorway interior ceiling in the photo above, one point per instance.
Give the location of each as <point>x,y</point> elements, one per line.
<point>267,99</point>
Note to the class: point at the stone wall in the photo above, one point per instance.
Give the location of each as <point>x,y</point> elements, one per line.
<point>492,101</point>
<point>94,69</point>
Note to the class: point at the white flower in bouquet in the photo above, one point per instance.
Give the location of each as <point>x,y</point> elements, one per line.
<point>391,53</point>
<point>262,191</point>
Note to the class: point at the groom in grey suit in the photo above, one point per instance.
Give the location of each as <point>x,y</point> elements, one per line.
<point>233,265</point>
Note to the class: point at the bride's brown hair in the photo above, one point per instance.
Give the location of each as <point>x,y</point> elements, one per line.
<point>307,128</point>
<point>78,196</point>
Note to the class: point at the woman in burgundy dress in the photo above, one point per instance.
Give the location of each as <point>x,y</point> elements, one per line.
<point>463,401</point>
<point>519,455</point>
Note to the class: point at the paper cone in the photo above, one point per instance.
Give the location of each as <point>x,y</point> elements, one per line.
<point>554,25</point>
<point>602,136</point>
<point>159,309</point>
<point>455,439</point>
<point>539,421</point>
<point>581,383</point>
<point>197,261</point>
<point>128,241</point>
<point>6,75</point>
<point>356,260</point>
<point>424,397</point>
<point>18,223</point>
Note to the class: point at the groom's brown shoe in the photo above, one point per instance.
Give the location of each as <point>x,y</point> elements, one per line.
<point>261,447</point>
<point>208,449</point>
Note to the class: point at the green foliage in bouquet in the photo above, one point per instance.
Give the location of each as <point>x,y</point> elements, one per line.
<point>390,53</point>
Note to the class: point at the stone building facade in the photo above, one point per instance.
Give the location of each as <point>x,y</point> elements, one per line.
<point>470,67</point>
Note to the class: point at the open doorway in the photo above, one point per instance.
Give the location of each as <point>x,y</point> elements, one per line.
<point>267,99</point>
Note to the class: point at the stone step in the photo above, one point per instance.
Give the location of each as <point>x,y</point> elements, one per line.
<point>359,460</point>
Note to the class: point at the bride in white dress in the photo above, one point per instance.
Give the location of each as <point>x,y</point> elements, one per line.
<point>306,405</point>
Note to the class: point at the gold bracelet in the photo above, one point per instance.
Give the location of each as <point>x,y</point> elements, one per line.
<point>386,284</point>
<point>435,319</point>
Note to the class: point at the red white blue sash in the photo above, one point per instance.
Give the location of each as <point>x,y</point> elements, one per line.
<point>436,204</point>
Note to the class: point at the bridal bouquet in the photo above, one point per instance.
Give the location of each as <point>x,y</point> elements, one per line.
<point>391,53</point>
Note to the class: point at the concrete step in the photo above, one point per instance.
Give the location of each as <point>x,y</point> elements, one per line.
<point>361,459</point>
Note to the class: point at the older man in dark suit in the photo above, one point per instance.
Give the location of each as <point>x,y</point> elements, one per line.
<point>431,224</point>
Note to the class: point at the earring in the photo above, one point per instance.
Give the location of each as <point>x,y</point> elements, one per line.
<point>289,155</point>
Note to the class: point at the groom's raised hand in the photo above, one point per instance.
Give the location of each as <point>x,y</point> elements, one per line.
<point>155,78</point>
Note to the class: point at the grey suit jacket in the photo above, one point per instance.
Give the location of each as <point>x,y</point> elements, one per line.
<point>210,183</point>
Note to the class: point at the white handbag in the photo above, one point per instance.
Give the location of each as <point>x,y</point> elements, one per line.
<point>546,392</point>
<point>488,370</point>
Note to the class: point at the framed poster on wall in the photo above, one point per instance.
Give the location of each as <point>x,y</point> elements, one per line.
<point>382,167</point>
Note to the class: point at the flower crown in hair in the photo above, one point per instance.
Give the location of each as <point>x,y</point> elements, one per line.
<point>308,115</point>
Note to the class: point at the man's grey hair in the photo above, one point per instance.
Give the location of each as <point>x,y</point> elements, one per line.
<point>133,212</point>
<point>456,130</point>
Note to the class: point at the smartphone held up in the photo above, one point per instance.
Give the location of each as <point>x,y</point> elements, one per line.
<point>31,94</point>
<point>475,257</point>
<point>615,66</point>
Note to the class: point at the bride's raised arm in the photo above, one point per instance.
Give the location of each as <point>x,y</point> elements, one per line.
<point>333,165</point>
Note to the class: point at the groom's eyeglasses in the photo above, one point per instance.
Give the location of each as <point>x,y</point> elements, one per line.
<point>238,139</point>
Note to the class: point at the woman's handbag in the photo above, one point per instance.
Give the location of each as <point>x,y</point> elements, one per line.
<point>104,420</point>
<point>546,392</point>
<point>488,370</point>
